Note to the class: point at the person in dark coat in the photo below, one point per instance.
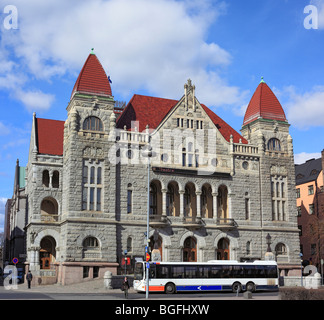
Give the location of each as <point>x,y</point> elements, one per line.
<point>125,287</point>
<point>29,278</point>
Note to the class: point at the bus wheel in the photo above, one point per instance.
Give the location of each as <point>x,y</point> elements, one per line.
<point>170,288</point>
<point>236,287</point>
<point>250,287</point>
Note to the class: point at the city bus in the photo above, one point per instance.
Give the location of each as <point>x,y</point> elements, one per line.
<point>216,275</point>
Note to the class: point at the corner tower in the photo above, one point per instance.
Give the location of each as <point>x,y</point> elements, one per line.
<point>265,125</point>
<point>88,179</point>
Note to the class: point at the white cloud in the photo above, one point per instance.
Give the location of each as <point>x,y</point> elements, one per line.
<point>303,157</point>
<point>35,100</point>
<point>143,44</point>
<point>4,130</point>
<point>307,109</point>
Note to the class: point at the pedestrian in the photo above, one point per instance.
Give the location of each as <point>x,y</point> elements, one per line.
<point>29,278</point>
<point>125,287</point>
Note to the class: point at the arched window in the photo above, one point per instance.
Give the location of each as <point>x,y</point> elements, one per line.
<point>91,248</point>
<point>129,198</point>
<point>90,243</point>
<point>274,145</point>
<point>93,124</point>
<point>222,204</point>
<point>49,206</point>
<point>153,199</point>
<point>45,178</point>
<point>129,244</point>
<point>170,201</point>
<point>56,179</point>
<point>248,248</point>
<point>281,249</point>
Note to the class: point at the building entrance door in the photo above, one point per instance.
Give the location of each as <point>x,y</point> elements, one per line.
<point>223,252</point>
<point>190,250</point>
<point>47,252</point>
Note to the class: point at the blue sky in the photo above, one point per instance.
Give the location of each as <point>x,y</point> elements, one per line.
<point>153,47</point>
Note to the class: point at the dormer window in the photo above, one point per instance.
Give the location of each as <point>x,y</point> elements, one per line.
<point>92,124</point>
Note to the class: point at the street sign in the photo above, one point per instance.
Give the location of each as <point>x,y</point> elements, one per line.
<point>147,265</point>
<point>15,260</point>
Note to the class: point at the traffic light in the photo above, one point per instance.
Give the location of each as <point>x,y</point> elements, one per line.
<point>147,256</point>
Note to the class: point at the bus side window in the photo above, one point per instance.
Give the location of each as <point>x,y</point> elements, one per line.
<point>177,272</point>
<point>162,272</point>
<point>215,272</point>
<point>203,271</point>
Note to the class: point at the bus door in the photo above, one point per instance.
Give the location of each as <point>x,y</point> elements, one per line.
<point>152,271</point>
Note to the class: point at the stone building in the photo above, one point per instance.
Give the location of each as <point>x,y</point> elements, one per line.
<point>214,193</point>
<point>15,221</point>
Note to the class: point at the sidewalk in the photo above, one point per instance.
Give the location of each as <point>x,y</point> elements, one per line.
<point>92,286</point>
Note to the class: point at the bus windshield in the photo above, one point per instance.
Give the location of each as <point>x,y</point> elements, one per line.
<point>138,272</point>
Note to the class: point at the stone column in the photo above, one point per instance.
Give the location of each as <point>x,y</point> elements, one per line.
<point>181,192</point>
<point>164,194</point>
<point>214,194</point>
<point>198,203</point>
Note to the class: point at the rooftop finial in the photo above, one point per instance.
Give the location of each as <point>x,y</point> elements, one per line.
<point>92,49</point>
<point>262,81</point>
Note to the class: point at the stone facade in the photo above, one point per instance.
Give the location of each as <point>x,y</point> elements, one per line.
<point>211,197</point>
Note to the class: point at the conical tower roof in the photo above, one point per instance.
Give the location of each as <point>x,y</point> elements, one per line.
<point>264,104</point>
<point>92,78</point>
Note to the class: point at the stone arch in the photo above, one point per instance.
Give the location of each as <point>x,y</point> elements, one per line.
<point>201,243</point>
<point>47,232</point>
<point>233,242</point>
<point>90,233</point>
<point>166,243</point>
<point>49,206</point>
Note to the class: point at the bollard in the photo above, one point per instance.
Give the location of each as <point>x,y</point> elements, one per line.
<point>108,280</point>
<point>247,295</point>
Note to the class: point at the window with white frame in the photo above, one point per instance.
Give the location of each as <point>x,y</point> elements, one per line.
<point>279,200</point>
<point>92,185</point>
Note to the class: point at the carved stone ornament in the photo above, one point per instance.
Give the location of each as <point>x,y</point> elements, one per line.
<point>278,170</point>
<point>93,152</point>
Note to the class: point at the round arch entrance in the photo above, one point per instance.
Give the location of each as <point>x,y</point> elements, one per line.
<point>223,251</point>
<point>47,252</point>
<point>190,250</point>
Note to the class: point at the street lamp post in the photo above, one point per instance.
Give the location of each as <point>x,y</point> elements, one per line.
<point>125,261</point>
<point>148,153</point>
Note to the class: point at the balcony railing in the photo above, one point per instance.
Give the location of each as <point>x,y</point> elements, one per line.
<point>49,218</point>
<point>159,220</point>
<point>226,223</point>
<point>193,222</point>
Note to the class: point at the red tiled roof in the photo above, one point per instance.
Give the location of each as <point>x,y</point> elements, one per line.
<point>151,111</point>
<point>264,104</point>
<point>49,135</point>
<point>225,129</point>
<point>146,110</point>
<point>92,78</point>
